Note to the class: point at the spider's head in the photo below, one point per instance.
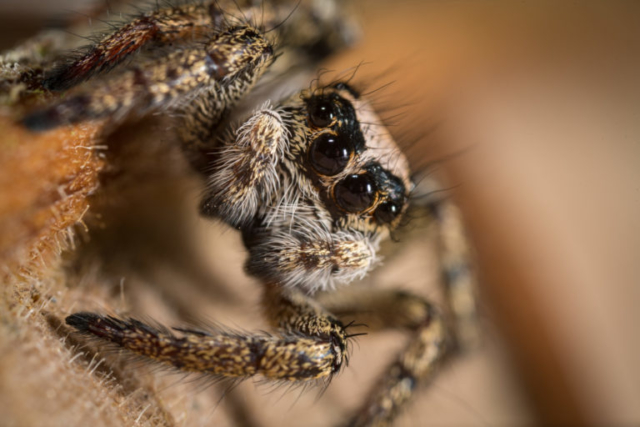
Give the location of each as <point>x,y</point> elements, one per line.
<point>343,187</point>
<point>359,171</point>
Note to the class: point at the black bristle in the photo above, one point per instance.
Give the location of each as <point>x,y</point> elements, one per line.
<point>82,321</point>
<point>105,327</point>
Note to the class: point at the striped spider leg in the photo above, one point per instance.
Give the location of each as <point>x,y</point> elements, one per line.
<point>316,30</point>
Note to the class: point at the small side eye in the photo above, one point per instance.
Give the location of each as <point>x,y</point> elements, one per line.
<point>329,154</point>
<point>387,212</point>
<point>321,112</point>
<point>356,193</point>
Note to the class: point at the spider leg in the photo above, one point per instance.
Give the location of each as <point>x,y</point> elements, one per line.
<point>228,56</point>
<point>291,310</point>
<point>309,345</point>
<point>458,278</point>
<point>378,309</point>
<point>162,26</point>
<point>417,363</point>
<point>166,26</point>
<point>185,23</point>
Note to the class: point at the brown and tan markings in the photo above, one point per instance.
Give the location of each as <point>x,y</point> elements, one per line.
<point>314,182</point>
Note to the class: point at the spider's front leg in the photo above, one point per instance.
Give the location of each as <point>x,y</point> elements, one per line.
<point>312,30</point>
<point>310,343</point>
<point>163,26</point>
<point>229,64</point>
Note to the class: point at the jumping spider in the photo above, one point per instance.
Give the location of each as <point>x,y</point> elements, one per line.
<point>314,183</point>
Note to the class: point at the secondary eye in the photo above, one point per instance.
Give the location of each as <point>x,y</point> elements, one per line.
<point>387,212</point>
<point>329,154</point>
<point>321,112</point>
<point>356,193</point>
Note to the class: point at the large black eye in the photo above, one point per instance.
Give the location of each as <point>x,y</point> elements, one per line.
<point>329,154</point>
<point>387,212</point>
<point>321,112</point>
<point>356,193</point>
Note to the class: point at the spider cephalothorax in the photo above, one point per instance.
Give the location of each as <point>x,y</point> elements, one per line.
<point>326,184</point>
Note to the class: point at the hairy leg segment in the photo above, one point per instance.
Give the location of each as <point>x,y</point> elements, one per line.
<point>224,60</point>
<point>186,23</point>
<point>429,347</point>
<point>309,344</point>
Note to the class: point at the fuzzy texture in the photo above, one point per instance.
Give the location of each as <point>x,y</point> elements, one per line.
<point>160,83</point>
<point>246,169</point>
<point>217,353</point>
<point>347,232</point>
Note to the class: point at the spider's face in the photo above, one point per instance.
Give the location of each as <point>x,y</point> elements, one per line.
<point>343,186</point>
<point>361,175</point>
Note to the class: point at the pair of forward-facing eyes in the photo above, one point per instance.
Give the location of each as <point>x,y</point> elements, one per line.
<point>373,191</point>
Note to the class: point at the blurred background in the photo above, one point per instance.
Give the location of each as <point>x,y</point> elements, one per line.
<point>537,106</point>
